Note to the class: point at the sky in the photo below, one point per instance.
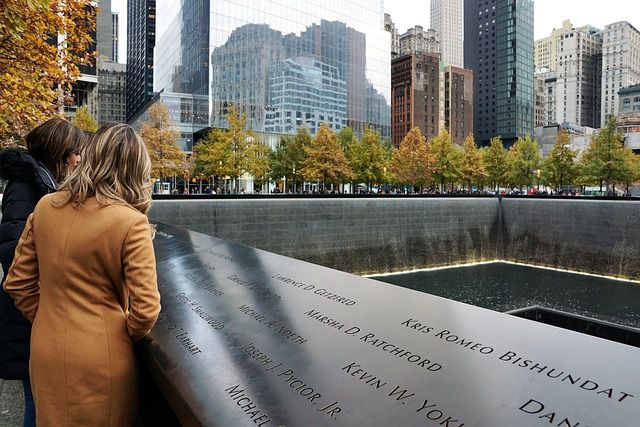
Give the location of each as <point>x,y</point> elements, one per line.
<point>549,14</point>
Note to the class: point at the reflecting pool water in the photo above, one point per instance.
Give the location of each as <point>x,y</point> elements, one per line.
<point>505,287</point>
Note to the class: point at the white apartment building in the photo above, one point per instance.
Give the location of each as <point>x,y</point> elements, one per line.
<point>578,67</point>
<point>570,62</point>
<point>620,64</point>
<point>447,21</point>
<point>545,49</point>
<point>395,35</point>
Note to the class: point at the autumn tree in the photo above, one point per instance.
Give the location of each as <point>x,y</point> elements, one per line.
<point>278,159</point>
<point>248,154</point>
<point>524,162</point>
<point>633,169</point>
<point>257,161</point>
<point>84,120</point>
<point>604,162</point>
<point>495,161</point>
<point>286,159</point>
<point>212,154</point>
<point>325,161</point>
<point>412,163</point>
<point>559,167</point>
<point>367,158</point>
<point>233,152</point>
<point>472,168</point>
<point>447,156</point>
<point>296,153</point>
<point>346,137</point>
<point>161,139</point>
<point>42,45</point>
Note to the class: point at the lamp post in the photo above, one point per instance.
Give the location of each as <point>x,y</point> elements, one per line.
<point>222,189</point>
<point>294,180</point>
<point>384,178</point>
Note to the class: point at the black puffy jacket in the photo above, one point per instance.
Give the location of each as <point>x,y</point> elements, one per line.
<point>28,180</point>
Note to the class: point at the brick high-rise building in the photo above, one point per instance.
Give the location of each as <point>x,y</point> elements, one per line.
<point>416,95</point>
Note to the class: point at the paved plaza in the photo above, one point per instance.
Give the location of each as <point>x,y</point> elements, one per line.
<point>11,403</point>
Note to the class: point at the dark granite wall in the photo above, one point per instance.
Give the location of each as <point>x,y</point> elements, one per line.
<point>596,236</point>
<point>382,235</point>
<point>353,235</point>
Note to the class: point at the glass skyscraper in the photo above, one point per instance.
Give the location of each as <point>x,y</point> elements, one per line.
<point>498,47</point>
<point>141,37</point>
<point>284,63</point>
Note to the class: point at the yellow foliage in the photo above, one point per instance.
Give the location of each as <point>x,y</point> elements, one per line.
<point>325,161</point>
<point>161,139</point>
<point>83,120</point>
<point>37,66</point>
<point>413,163</point>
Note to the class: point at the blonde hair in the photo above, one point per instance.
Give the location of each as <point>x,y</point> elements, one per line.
<point>115,168</point>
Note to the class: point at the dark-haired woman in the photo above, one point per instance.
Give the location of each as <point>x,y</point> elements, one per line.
<point>53,149</point>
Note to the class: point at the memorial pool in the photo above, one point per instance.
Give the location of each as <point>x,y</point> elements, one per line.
<point>506,287</point>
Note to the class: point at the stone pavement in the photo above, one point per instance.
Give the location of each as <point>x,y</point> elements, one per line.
<point>11,403</point>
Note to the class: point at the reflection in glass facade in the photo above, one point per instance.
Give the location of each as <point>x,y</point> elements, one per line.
<point>284,63</point>
<point>305,92</point>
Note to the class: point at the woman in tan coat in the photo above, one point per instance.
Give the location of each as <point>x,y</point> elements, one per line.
<point>84,275</point>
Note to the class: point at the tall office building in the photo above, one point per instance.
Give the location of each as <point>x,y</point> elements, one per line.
<point>498,47</point>
<point>578,73</point>
<point>620,64</point>
<point>84,90</point>
<point>104,30</point>
<point>141,36</point>
<point>115,19</point>
<point>112,94</point>
<point>280,64</point>
<point>446,20</point>
<point>574,56</point>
